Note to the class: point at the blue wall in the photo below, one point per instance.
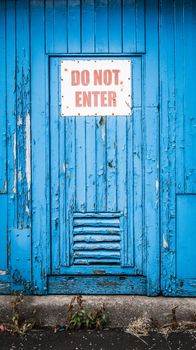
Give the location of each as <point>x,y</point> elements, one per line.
<point>161,34</point>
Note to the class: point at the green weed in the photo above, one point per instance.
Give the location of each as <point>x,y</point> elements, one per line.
<point>80,317</point>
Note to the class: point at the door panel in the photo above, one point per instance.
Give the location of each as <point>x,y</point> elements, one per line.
<point>96,187</point>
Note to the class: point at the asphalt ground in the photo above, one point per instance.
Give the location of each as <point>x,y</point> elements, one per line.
<point>96,340</point>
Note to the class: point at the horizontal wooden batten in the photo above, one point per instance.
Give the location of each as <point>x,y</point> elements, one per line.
<point>185,287</point>
<point>96,285</point>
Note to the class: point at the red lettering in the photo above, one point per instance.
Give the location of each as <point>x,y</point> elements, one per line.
<point>103,98</point>
<point>78,98</point>
<point>75,77</point>
<point>95,95</point>
<point>111,99</point>
<point>116,76</point>
<point>98,77</point>
<point>85,77</point>
<point>86,99</point>
<point>95,99</point>
<point>107,77</point>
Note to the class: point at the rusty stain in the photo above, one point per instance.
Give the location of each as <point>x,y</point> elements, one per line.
<point>99,272</point>
<point>165,243</point>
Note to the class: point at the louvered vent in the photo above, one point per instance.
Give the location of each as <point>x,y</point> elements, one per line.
<point>96,239</point>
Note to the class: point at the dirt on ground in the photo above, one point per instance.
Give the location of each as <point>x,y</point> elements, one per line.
<point>96,340</point>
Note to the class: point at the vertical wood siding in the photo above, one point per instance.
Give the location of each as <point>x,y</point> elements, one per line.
<point>161,36</point>
<point>97,170</point>
<point>101,26</point>
<point>178,138</point>
<point>15,151</point>
<point>3,87</point>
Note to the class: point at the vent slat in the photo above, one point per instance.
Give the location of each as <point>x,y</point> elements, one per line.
<point>97,222</point>
<point>96,215</point>
<point>93,261</point>
<point>96,239</point>
<point>95,246</point>
<point>99,254</point>
<point>96,230</point>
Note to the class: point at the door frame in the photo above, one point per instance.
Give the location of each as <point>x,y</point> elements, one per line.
<point>41,268</point>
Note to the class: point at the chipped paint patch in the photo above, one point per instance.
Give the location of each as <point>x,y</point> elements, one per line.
<point>157,191</point>
<point>19,175</point>
<point>28,151</point>
<point>27,209</point>
<point>165,243</point>
<point>15,169</point>
<point>19,121</point>
<point>3,272</point>
<point>64,167</point>
<point>5,186</point>
<point>101,121</point>
<point>103,134</point>
<point>157,186</point>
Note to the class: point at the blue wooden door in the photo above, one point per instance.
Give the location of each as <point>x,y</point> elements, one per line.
<point>96,194</point>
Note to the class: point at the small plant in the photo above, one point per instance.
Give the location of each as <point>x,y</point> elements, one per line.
<point>80,317</point>
<point>18,325</point>
<point>174,323</point>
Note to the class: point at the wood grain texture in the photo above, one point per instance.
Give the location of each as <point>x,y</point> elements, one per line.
<point>140,168</point>
<point>97,285</point>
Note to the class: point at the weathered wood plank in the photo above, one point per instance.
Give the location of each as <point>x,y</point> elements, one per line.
<point>23,114</point>
<point>96,285</point>
<point>101,26</point>
<point>74,43</point>
<point>88,26</point>
<point>4,233</point>
<point>3,84</point>
<point>40,246</point>
<point>151,150</point>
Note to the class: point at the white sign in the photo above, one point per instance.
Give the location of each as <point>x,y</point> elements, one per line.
<point>95,87</point>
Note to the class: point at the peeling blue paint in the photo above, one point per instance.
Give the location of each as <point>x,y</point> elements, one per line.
<point>98,204</point>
